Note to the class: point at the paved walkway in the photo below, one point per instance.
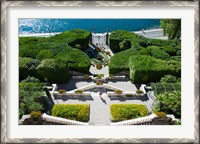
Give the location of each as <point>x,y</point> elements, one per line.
<point>100,106</point>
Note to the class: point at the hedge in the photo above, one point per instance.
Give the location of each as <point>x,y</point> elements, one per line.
<point>78,112</point>
<point>44,54</point>
<point>27,67</point>
<point>120,112</point>
<point>76,59</point>
<point>73,38</point>
<point>119,62</point>
<point>120,40</point>
<point>145,69</point>
<point>53,70</point>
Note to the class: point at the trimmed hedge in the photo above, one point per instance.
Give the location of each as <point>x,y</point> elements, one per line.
<point>53,70</point>
<point>145,69</point>
<point>27,67</point>
<point>76,59</point>
<point>119,62</point>
<point>45,54</point>
<point>78,112</point>
<point>120,112</point>
<point>76,38</point>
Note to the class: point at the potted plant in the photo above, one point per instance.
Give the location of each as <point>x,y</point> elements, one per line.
<point>99,66</point>
<point>79,91</point>
<point>61,91</point>
<point>139,92</point>
<point>118,92</point>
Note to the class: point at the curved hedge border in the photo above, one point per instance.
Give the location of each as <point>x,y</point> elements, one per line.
<point>120,112</point>
<point>145,69</point>
<point>78,112</point>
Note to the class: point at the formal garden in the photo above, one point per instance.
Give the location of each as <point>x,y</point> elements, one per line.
<point>44,61</point>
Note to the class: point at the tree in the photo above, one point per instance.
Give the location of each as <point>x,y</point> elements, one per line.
<point>27,67</point>
<point>171,28</point>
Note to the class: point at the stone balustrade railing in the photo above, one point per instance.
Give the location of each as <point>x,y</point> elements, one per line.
<point>140,120</point>
<point>59,120</point>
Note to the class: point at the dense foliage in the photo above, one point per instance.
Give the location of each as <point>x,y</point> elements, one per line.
<point>119,62</point>
<point>31,98</point>
<point>145,69</point>
<point>53,70</point>
<point>171,27</point>
<point>169,103</point>
<point>66,46</point>
<point>120,112</point>
<point>79,112</point>
<point>76,59</point>
<point>160,49</point>
<point>27,67</point>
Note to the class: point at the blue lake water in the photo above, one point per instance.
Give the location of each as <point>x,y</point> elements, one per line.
<point>27,26</point>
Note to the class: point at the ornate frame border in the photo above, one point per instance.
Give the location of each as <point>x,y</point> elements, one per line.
<point>5,4</point>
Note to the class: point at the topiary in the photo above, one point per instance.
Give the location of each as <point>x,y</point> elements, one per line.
<point>99,66</point>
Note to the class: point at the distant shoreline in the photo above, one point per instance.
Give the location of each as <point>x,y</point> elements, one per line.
<point>52,34</point>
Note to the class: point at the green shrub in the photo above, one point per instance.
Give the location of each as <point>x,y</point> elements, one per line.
<point>78,112</point>
<point>30,79</point>
<point>125,44</point>
<point>35,115</point>
<point>120,112</point>
<point>161,114</point>
<point>76,59</point>
<point>178,53</point>
<point>53,70</point>
<point>145,69</point>
<point>168,78</point>
<point>44,54</point>
<point>74,38</point>
<point>61,91</point>
<point>159,54</point>
<point>27,67</point>
<point>119,62</point>
<point>170,50</point>
<point>79,91</point>
<point>31,98</point>
<point>118,91</point>
<point>170,103</point>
